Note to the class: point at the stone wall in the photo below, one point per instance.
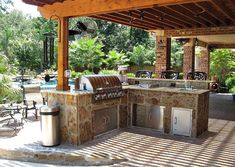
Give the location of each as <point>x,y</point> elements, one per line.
<point>77,116</point>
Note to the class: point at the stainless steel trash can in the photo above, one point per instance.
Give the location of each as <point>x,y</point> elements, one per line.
<point>50,125</point>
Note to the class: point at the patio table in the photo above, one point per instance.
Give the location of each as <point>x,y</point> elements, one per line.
<point>9,113</point>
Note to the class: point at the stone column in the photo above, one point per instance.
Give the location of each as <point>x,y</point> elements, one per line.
<point>204,61</point>
<point>163,54</point>
<point>189,58</point>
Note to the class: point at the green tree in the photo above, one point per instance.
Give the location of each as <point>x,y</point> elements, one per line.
<point>137,56</point>
<point>222,63</point>
<point>86,53</point>
<point>177,54</point>
<point>114,58</point>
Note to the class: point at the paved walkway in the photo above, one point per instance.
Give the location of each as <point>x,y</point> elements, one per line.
<point>137,147</point>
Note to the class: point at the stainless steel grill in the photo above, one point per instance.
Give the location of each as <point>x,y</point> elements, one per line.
<point>103,86</point>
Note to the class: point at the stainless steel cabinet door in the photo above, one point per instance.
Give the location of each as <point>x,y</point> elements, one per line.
<point>181,121</point>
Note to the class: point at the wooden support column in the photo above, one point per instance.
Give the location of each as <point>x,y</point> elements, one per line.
<point>204,61</point>
<point>62,83</point>
<point>163,54</point>
<point>189,58</point>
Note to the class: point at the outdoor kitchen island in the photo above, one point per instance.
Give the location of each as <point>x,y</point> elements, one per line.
<point>182,112</point>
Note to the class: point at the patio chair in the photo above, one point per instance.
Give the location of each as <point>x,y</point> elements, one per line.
<point>170,74</point>
<point>30,105</point>
<point>143,74</point>
<point>197,75</point>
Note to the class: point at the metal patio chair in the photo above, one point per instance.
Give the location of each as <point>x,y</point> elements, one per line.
<point>30,105</point>
<point>170,74</point>
<point>197,75</point>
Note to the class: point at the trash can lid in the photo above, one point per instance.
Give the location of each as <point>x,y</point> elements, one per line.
<point>54,108</point>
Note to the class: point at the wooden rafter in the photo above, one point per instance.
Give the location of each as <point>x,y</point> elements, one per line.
<point>212,12</point>
<point>221,7</point>
<point>165,14</point>
<point>108,18</point>
<point>146,19</point>
<point>166,19</point>
<point>76,8</point>
<point>183,15</point>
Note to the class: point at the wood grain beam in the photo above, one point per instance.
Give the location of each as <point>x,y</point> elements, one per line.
<point>114,19</point>
<point>158,17</point>
<point>189,14</point>
<point>165,14</point>
<point>63,31</point>
<point>148,19</point>
<point>106,18</point>
<point>182,14</point>
<point>75,8</point>
<point>125,18</point>
<point>211,11</point>
<point>218,4</point>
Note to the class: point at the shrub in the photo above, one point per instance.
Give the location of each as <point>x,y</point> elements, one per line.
<point>8,93</point>
<point>107,72</point>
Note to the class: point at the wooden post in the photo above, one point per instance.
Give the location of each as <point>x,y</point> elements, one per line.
<point>62,83</point>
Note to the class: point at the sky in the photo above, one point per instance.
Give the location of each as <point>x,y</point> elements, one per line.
<point>25,8</point>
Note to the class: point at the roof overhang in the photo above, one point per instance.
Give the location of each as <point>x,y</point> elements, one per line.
<point>175,17</point>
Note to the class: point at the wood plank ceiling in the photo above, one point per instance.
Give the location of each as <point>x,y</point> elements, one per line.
<point>209,13</point>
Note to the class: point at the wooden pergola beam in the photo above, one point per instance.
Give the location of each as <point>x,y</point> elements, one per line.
<point>184,15</point>
<point>165,13</point>
<point>77,8</point>
<point>213,13</point>
<point>158,18</point>
<point>146,19</point>
<point>221,7</point>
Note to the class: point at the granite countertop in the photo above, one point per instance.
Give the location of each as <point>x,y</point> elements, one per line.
<point>167,89</point>
<point>132,87</point>
<point>77,92</point>
<point>169,80</point>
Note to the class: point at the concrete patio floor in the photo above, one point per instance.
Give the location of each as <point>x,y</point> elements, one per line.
<point>134,146</point>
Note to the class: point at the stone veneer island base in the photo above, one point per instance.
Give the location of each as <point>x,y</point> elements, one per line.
<point>81,119</point>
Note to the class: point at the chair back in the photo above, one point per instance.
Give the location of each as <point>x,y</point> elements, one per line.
<point>143,74</point>
<point>170,74</point>
<point>197,75</point>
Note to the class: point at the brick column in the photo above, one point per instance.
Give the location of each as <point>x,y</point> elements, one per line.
<point>189,58</point>
<point>163,54</point>
<point>204,61</point>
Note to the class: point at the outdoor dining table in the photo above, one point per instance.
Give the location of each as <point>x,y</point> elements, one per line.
<point>9,113</point>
